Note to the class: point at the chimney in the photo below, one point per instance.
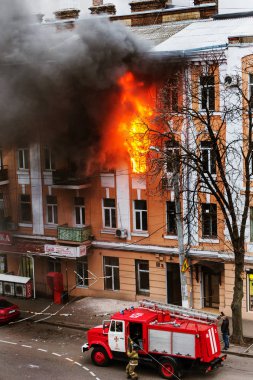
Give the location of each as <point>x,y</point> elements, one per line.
<point>68,17</point>
<point>99,8</point>
<point>147,5</point>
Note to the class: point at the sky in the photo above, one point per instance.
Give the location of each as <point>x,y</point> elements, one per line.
<point>47,7</point>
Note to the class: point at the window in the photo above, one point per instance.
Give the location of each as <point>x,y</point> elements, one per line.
<point>79,211</point>
<point>27,266</point>
<point>111,273</point>
<point>172,156</point>
<point>172,95</point>
<point>25,208</point>
<point>209,220</point>
<point>23,159</point>
<point>250,291</point>
<point>54,265</point>
<point>52,215</point>
<point>82,272</point>
<point>109,213</point>
<point>140,216</point>
<point>49,159</point>
<point>171,218</point>
<point>207,89</point>
<point>208,157</point>
<point>3,264</point>
<point>142,276</point>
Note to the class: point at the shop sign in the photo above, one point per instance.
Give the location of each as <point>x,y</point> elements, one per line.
<point>5,238</point>
<point>66,251</point>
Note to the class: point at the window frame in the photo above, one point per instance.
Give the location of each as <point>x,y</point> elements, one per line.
<point>22,206</point>
<point>169,222</point>
<point>138,273</point>
<point>82,264</point>
<point>208,157</point>
<point>109,211</point>
<point>172,151</point>
<point>52,210</point>
<point>23,159</point>
<point>112,264</point>
<point>79,211</point>
<point>140,216</point>
<point>207,100</point>
<point>49,159</point>
<point>211,210</point>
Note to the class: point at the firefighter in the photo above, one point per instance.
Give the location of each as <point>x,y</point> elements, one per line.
<point>132,353</point>
<point>225,330</point>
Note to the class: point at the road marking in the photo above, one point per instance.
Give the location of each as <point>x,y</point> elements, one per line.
<point>5,341</point>
<point>97,378</point>
<point>24,345</point>
<point>78,364</point>
<point>70,360</point>
<point>92,374</point>
<point>41,349</point>
<point>55,353</point>
<point>87,369</point>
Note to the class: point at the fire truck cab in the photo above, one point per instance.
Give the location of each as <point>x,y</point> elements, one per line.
<point>169,337</point>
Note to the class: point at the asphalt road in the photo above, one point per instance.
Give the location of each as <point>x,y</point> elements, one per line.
<point>38,351</point>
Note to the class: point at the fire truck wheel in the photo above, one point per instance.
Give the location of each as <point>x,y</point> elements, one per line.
<point>168,368</point>
<point>99,357</point>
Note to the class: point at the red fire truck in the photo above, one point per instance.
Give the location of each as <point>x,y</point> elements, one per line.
<point>171,338</point>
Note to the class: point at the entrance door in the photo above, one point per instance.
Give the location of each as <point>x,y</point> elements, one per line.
<point>116,336</point>
<point>173,284</point>
<point>211,282</point>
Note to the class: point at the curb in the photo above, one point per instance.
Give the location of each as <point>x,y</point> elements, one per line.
<point>238,354</point>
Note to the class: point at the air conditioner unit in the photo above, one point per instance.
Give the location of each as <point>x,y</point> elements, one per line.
<point>20,290</point>
<point>9,288</point>
<point>121,233</point>
<point>231,81</point>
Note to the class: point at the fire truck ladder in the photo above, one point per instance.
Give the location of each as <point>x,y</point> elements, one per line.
<point>180,311</point>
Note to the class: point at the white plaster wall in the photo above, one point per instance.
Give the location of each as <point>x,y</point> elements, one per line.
<point>36,190</point>
<point>183,3</point>
<point>123,199</point>
<point>233,6</point>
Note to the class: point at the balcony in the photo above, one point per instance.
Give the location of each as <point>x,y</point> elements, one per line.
<point>69,180</point>
<point>74,234</point>
<point>3,175</point>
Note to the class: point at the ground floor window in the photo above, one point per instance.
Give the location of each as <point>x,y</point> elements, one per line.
<point>82,272</point>
<point>142,276</point>
<point>54,265</point>
<point>27,266</point>
<point>250,291</point>
<point>3,264</point>
<point>111,273</point>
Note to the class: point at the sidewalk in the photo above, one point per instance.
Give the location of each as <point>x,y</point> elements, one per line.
<point>84,313</point>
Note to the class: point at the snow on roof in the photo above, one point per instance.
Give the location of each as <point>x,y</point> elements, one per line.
<point>158,33</point>
<point>205,35</point>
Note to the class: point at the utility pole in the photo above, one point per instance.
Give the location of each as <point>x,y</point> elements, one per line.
<point>181,251</point>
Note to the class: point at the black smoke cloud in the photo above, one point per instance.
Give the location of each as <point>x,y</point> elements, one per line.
<point>58,86</point>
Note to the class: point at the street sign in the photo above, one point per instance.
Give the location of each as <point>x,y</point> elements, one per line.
<point>185,266</point>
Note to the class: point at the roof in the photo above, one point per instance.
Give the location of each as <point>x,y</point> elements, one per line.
<point>156,34</point>
<point>16,279</point>
<point>205,35</point>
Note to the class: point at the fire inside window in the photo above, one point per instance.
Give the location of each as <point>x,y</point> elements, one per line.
<point>207,92</point>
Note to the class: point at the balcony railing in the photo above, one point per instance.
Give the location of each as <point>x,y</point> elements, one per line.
<point>74,234</point>
<point>67,178</point>
<point>3,173</point>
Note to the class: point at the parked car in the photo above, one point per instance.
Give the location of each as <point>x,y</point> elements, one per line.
<point>8,311</point>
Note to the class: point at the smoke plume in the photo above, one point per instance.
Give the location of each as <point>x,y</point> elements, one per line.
<point>58,86</point>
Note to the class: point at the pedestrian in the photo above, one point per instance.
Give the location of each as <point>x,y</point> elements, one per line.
<point>132,353</point>
<point>225,330</point>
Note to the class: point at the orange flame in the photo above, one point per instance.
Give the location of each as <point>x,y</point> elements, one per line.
<point>134,124</point>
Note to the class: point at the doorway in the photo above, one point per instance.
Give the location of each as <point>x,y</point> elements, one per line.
<point>211,282</point>
<point>174,296</point>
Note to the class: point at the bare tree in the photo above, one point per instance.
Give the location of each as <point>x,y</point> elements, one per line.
<point>207,116</point>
